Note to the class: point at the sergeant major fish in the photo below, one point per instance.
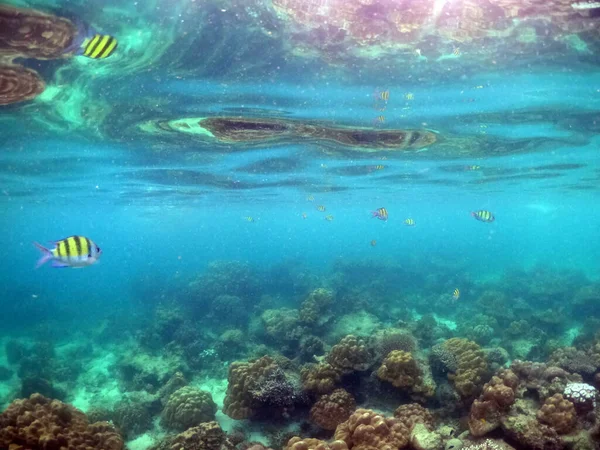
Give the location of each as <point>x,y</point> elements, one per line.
<point>74,251</point>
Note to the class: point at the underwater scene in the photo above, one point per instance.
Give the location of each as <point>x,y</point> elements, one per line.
<point>300,224</point>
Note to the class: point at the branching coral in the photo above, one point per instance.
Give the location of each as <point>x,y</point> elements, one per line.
<point>320,378</point>
<point>367,430</point>
<point>38,423</point>
<point>188,407</point>
<point>350,354</point>
<point>575,361</point>
<point>471,366</point>
<point>559,413</point>
<point>332,409</point>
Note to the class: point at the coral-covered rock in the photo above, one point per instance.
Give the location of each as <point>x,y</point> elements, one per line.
<point>260,387</point>
<point>283,325</point>
<point>332,409</point>
<point>320,378</point>
<point>297,443</point>
<point>559,413</point>
<point>495,400</point>
<point>18,84</point>
<point>367,430</point>
<point>132,417</point>
<point>422,438</point>
<point>314,307</point>
<point>351,354</point>
<point>205,436</point>
<point>188,407</point>
<point>389,341</point>
<point>544,379</point>
<point>38,423</point>
<point>413,413</point>
<point>524,428</point>
<point>574,361</point>
<point>471,366</point>
<point>33,34</point>
<point>400,369</point>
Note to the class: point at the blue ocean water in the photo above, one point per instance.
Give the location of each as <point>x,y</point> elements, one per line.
<point>97,154</point>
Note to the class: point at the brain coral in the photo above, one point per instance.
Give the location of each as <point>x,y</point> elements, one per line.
<point>350,354</point>
<point>188,407</point>
<point>320,378</point>
<point>413,413</point>
<point>559,413</point>
<point>297,443</point>
<point>471,366</point>
<point>331,410</point>
<point>367,430</point>
<point>40,423</point>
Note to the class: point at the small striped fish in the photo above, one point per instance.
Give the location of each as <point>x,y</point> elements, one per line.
<point>483,216</point>
<point>74,251</point>
<point>99,46</point>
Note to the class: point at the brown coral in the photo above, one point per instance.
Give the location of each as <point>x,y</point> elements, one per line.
<point>238,402</point>
<point>313,307</point>
<point>188,407</point>
<point>350,354</point>
<point>320,378</point>
<point>206,436</point>
<point>400,369</point>
<point>471,366</point>
<point>389,341</point>
<point>367,430</point>
<point>497,396</point>
<point>331,410</point>
<point>18,84</point>
<point>40,423</point>
<point>297,443</point>
<point>412,414</point>
<point>30,33</point>
<point>559,413</point>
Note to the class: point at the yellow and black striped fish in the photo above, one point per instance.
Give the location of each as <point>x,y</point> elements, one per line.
<point>456,294</point>
<point>410,222</point>
<point>483,216</point>
<point>321,208</point>
<point>380,213</point>
<point>74,251</point>
<point>99,46</point>
<point>249,218</point>
<point>329,218</point>
<point>380,119</point>
<point>379,167</point>
<point>382,95</point>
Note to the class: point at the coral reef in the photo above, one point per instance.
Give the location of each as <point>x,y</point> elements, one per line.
<point>260,387</point>
<point>390,340</point>
<point>332,409</point>
<point>351,354</point>
<point>412,414</point>
<point>582,395</point>
<point>558,413</point>
<point>320,378</point>
<point>187,407</point>
<point>366,430</point>
<point>314,307</point>
<point>205,436</point>
<point>402,370</point>
<point>41,423</point>
<point>471,366</point>
<point>297,443</point>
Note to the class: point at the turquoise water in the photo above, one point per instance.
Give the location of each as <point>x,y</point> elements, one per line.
<point>97,155</point>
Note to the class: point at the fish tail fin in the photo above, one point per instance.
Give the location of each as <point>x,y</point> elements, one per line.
<point>374,214</point>
<point>46,255</point>
<point>474,214</point>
